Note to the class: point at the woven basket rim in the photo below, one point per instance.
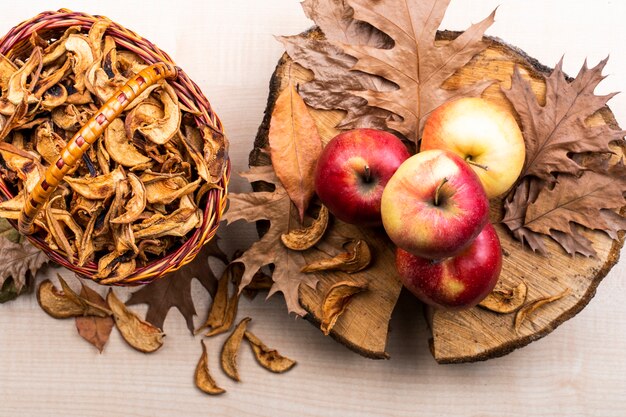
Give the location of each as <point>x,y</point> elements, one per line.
<point>189,94</point>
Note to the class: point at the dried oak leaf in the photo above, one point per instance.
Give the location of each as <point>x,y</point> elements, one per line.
<point>175,290</point>
<point>335,302</point>
<point>268,358</point>
<point>276,207</point>
<point>230,350</point>
<point>589,200</point>
<point>140,335</point>
<point>295,146</point>
<point>556,130</point>
<point>202,377</point>
<point>555,133</point>
<point>18,262</point>
<point>413,62</point>
<point>95,330</point>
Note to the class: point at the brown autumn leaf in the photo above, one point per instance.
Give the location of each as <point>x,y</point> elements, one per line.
<point>295,146</point>
<point>411,61</point>
<point>268,358</point>
<point>202,377</point>
<point>140,335</point>
<point>590,201</point>
<point>175,289</point>
<point>95,330</point>
<point>333,79</point>
<point>19,262</point>
<point>276,207</point>
<point>555,131</point>
<point>526,311</point>
<point>230,350</point>
<point>336,301</point>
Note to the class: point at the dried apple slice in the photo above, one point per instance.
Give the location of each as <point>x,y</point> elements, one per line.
<point>97,188</point>
<point>80,49</point>
<point>17,90</point>
<point>119,147</point>
<point>137,203</point>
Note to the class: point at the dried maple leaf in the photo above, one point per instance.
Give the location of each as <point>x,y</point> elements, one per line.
<point>95,330</point>
<point>556,130</point>
<point>295,145</point>
<point>18,263</point>
<point>412,62</point>
<point>276,207</point>
<point>175,289</point>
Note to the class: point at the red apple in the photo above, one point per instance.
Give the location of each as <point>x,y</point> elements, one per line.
<point>353,170</point>
<point>434,205</point>
<point>458,282</point>
<point>484,134</point>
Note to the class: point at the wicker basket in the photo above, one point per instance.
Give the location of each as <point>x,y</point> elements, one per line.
<point>50,25</point>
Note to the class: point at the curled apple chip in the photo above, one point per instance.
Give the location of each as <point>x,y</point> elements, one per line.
<point>230,350</point>
<point>202,377</point>
<point>505,301</point>
<point>18,90</point>
<point>120,148</point>
<point>97,188</point>
<point>139,334</point>
<point>66,303</point>
<point>268,358</point>
<point>80,49</point>
<point>303,239</point>
<point>526,311</point>
<point>336,301</point>
<point>137,203</point>
<point>156,123</point>
<point>356,259</point>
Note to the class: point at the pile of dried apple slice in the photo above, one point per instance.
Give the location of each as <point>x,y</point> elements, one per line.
<point>138,190</point>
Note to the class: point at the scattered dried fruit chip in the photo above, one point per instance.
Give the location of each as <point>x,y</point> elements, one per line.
<point>204,380</point>
<point>139,334</point>
<point>219,306</point>
<point>66,303</point>
<point>231,313</point>
<point>303,239</point>
<point>336,301</point>
<point>231,349</point>
<point>268,358</point>
<point>526,311</point>
<point>505,301</point>
<point>356,259</point>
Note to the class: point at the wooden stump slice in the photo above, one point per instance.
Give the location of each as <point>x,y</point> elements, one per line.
<point>474,334</point>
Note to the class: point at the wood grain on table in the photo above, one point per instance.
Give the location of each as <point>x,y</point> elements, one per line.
<point>46,369</point>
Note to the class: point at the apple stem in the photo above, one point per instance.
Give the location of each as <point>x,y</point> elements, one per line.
<point>438,190</point>
<point>367,178</point>
<point>476,164</point>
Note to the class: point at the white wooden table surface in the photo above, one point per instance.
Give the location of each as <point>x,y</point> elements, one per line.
<point>227,47</point>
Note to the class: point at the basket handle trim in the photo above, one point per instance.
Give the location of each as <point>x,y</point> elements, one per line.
<point>86,137</point>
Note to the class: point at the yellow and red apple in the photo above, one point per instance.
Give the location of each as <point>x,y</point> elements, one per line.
<point>484,134</point>
<point>434,205</point>
<point>352,172</point>
<point>458,282</point>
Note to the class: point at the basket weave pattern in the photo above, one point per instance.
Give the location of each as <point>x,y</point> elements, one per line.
<point>49,25</point>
